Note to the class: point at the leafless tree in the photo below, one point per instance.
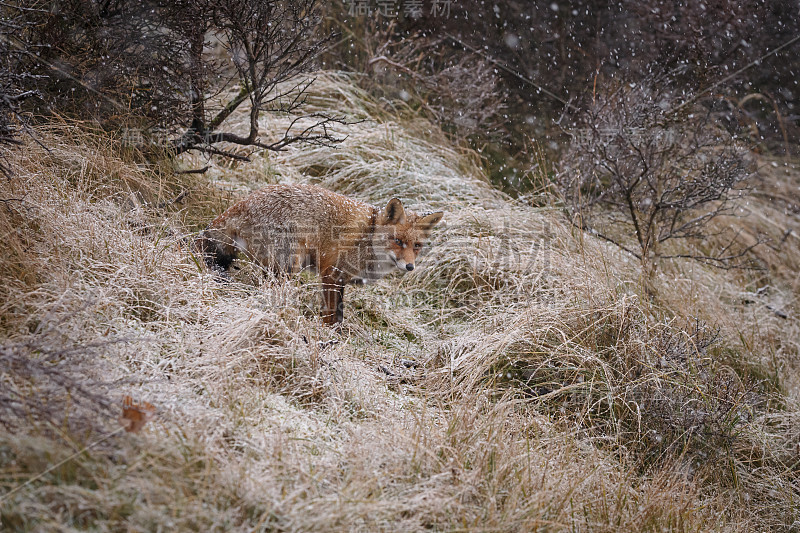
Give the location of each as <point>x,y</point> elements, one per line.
<point>660,176</point>
<point>154,65</point>
<point>270,42</point>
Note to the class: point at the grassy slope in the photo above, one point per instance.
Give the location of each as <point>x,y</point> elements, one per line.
<point>519,380</point>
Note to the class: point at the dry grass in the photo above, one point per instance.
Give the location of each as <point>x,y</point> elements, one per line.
<point>519,380</point>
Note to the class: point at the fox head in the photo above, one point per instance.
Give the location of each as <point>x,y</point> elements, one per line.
<point>405,233</point>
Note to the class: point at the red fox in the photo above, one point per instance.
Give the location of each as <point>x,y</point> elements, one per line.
<point>287,228</point>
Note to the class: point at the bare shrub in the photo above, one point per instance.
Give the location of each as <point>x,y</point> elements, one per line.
<point>15,76</point>
<point>636,166</point>
<point>110,62</point>
<point>460,92</point>
<point>695,404</point>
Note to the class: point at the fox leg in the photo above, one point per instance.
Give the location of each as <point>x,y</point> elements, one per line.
<point>340,306</point>
<point>333,296</point>
<point>332,301</point>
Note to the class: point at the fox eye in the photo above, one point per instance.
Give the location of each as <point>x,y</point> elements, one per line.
<point>398,242</point>
<point>417,245</point>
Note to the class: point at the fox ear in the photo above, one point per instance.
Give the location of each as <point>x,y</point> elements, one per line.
<point>426,222</point>
<point>394,212</point>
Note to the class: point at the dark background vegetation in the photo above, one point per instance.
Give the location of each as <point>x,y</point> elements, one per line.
<point>500,74</point>
<point>548,59</point>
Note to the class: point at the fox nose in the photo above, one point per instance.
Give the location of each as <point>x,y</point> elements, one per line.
<point>410,267</point>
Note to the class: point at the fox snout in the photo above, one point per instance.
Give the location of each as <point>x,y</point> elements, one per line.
<point>402,265</point>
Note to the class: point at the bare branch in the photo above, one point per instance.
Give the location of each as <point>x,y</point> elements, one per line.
<point>607,239</point>
<point>217,151</point>
<point>195,170</point>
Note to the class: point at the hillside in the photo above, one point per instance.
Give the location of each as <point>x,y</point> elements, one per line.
<point>520,379</point>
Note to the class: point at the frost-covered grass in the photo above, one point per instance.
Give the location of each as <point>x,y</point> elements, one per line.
<point>519,380</point>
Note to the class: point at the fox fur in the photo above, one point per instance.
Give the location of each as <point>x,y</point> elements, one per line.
<point>288,228</point>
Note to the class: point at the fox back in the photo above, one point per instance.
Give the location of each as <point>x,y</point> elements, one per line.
<point>288,228</point>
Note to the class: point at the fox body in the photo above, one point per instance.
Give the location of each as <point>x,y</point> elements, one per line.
<point>287,228</point>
